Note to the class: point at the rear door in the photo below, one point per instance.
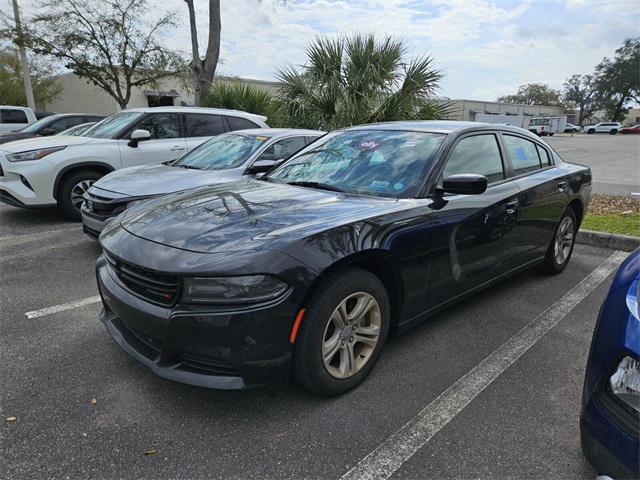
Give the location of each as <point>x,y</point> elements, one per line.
<point>472,234</point>
<point>166,142</point>
<point>543,194</point>
<point>200,127</point>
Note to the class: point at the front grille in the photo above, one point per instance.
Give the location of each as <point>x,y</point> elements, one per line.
<point>212,366</point>
<point>152,286</point>
<point>104,207</point>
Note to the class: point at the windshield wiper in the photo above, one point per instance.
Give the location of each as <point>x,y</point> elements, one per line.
<point>320,185</point>
<point>190,167</point>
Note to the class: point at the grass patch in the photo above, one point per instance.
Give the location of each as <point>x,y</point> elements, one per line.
<point>613,223</point>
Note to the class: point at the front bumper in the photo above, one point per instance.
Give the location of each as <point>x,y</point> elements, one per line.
<point>93,224</point>
<point>27,184</point>
<point>224,349</point>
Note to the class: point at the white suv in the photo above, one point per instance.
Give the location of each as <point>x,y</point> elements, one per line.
<point>604,127</point>
<point>42,172</point>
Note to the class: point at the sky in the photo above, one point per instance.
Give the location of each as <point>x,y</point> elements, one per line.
<point>484,48</point>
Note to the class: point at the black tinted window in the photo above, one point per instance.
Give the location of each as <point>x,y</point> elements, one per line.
<point>203,125</point>
<point>237,123</point>
<point>523,154</point>
<point>479,154</point>
<point>283,148</point>
<point>160,125</point>
<point>13,116</point>
<point>64,123</point>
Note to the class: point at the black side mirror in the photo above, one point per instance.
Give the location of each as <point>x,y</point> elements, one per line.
<point>45,132</point>
<point>465,184</point>
<point>138,136</point>
<point>262,166</point>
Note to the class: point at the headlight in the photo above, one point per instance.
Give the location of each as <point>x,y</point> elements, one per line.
<point>232,290</point>
<point>625,382</point>
<point>33,154</point>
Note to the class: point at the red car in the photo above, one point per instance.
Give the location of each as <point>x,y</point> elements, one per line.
<point>631,129</point>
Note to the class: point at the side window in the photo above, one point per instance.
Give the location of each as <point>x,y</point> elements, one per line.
<point>545,160</point>
<point>283,148</point>
<point>13,116</point>
<point>238,123</point>
<point>161,125</point>
<point>310,139</point>
<point>204,125</point>
<point>523,154</point>
<point>64,123</point>
<point>479,154</point>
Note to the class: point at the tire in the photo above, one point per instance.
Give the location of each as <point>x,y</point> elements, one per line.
<point>613,131</point>
<point>551,134</point>
<point>71,188</point>
<point>555,262</point>
<point>591,131</point>
<point>352,288</point>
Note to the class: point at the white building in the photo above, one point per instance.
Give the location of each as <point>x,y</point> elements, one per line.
<point>79,95</point>
<point>466,110</point>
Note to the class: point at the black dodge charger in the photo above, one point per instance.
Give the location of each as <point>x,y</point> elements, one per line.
<point>306,272</point>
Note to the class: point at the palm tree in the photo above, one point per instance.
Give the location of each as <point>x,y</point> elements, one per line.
<point>238,96</point>
<point>358,79</point>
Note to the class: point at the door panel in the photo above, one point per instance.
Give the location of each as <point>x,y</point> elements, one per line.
<point>200,127</point>
<point>166,142</point>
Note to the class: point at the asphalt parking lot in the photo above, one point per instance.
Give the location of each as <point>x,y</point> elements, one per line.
<point>488,389</point>
<point>614,159</point>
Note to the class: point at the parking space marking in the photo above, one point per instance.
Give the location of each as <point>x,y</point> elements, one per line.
<point>61,308</point>
<point>389,456</point>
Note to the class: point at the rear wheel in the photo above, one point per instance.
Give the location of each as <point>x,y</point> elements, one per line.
<point>72,190</point>
<point>591,130</point>
<point>342,333</point>
<point>561,247</point>
<point>613,131</point>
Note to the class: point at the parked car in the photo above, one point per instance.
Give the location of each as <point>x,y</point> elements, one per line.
<point>610,418</point>
<point>51,125</point>
<point>57,170</point>
<point>571,128</point>
<point>226,158</point>
<point>365,232</point>
<point>604,127</point>
<point>543,126</point>
<point>14,118</point>
<point>630,129</point>
<point>78,129</point>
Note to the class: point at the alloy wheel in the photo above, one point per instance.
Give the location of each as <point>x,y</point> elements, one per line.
<point>351,335</point>
<point>78,191</point>
<point>564,240</point>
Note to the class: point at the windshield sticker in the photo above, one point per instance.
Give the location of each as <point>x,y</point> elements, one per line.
<point>398,186</point>
<point>410,144</point>
<point>379,185</point>
<point>369,145</point>
<point>260,137</point>
<point>520,153</point>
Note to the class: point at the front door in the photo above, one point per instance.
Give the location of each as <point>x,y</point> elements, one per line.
<point>472,234</point>
<point>166,142</point>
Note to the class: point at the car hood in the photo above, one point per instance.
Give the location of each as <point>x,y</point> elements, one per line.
<point>44,142</point>
<point>246,215</point>
<point>150,180</point>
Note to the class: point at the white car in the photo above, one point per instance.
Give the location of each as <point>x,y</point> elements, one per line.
<point>604,127</point>
<point>57,170</point>
<point>14,118</point>
<point>571,128</point>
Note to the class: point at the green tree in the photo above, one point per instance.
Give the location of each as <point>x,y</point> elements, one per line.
<point>355,80</point>
<point>618,79</point>
<point>238,96</point>
<point>534,94</point>
<point>112,44</point>
<point>582,91</point>
<point>45,86</point>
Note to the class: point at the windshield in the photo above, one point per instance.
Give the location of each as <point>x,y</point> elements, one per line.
<point>36,126</point>
<point>111,126</point>
<point>229,150</point>
<point>372,162</point>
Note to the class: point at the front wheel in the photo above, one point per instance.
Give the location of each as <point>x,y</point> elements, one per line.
<point>591,131</point>
<point>613,131</point>
<point>561,247</point>
<point>342,333</point>
<point>71,193</point>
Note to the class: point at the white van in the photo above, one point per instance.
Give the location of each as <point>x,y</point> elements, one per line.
<point>543,126</point>
<point>14,118</point>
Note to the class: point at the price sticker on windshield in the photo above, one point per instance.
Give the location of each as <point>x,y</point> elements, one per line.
<point>369,145</point>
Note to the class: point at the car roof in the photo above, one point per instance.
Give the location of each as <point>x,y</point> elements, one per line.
<point>59,115</point>
<point>279,132</point>
<point>221,111</point>
<point>440,126</point>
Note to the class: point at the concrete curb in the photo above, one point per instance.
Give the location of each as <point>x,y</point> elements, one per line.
<point>614,241</point>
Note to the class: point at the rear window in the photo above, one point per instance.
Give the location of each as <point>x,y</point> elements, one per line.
<point>13,116</point>
<point>238,123</point>
<point>523,154</point>
<point>204,125</point>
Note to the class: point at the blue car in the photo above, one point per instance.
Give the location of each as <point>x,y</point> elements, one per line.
<point>610,419</point>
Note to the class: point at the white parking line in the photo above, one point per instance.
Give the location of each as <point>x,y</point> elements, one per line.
<point>382,462</point>
<point>61,308</point>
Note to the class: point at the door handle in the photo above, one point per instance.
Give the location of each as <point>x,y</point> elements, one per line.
<point>177,148</point>
<point>562,186</point>
<point>512,207</point>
